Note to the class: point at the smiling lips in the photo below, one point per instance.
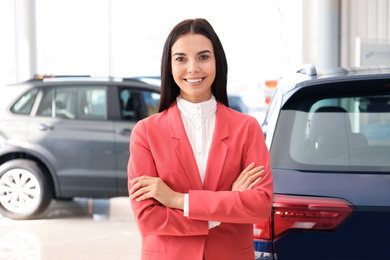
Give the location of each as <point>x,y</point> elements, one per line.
<point>194,80</point>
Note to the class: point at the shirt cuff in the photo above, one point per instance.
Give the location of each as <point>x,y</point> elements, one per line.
<point>213,224</point>
<point>186,202</point>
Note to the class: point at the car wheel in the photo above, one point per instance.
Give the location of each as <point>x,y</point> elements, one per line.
<point>24,189</point>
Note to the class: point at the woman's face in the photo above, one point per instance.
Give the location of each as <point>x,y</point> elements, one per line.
<point>193,66</point>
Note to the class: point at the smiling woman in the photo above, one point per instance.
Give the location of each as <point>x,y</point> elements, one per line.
<point>193,67</point>
<point>189,49</point>
<point>199,173</point>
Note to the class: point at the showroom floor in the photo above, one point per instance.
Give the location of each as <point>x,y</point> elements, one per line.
<point>79,229</point>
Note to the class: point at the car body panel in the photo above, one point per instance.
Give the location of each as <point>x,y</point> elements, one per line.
<point>122,132</point>
<point>364,236</point>
<point>324,184</point>
<point>82,151</point>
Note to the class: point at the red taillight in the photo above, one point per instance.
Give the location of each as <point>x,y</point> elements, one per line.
<point>263,230</point>
<point>301,212</point>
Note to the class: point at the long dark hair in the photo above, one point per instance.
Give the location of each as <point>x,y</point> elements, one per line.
<point>169,89</point>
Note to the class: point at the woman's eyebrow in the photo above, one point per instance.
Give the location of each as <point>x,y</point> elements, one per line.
<point>183,54</point>
<point>205,51</point>
<point>179,54</point>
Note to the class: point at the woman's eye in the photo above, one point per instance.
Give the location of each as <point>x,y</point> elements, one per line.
<point>203,57</point>
<point>180,59</point>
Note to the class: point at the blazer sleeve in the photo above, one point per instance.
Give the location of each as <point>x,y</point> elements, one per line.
<point>153,218</point>
<point>251,206</point>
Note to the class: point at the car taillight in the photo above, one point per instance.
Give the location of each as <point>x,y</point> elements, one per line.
<point>301,212</point>
<point>263,230</point>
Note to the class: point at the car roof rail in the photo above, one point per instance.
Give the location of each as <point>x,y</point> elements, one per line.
<point>308,69</point>
<point>151,80</point>
<point>132,79</point>
<point>40,77</point>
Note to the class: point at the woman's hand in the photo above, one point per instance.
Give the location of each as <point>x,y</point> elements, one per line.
<point>248,178</point>
<point>146,187</point>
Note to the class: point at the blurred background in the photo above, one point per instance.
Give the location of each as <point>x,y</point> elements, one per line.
<point>125,38</point>
<point>263,39</point>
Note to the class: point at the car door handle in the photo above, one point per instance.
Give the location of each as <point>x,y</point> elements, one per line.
<point>43,127</point>
<point>124,131</point>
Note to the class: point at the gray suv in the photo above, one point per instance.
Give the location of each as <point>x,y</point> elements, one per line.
<point>66,137</point>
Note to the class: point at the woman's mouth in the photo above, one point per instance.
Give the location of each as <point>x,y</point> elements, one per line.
<point>194,80</point>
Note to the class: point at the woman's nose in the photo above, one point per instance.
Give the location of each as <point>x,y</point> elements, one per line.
<point>193,67</point>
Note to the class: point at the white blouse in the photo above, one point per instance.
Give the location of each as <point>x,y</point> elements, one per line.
<point>199,123</point>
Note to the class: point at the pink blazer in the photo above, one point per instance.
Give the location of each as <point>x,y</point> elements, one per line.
<point>159,147</point>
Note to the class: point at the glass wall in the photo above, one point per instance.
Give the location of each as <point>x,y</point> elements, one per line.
<point>262,39</point>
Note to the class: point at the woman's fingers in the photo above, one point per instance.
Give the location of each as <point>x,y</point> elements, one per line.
<point>253,175</point>
<point>141,194</point>
<point>253,184</point>
<point>242,177</point>
<point>245,171</point>
<point>248,178</point>
<point>141,186</point>
<point>146,187</point>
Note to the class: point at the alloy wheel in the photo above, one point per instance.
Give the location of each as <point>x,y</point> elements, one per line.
<point>19,190</point>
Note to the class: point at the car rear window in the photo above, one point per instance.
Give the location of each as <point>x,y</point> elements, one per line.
<point>334,133</point>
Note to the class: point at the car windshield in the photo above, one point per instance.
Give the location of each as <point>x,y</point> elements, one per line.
<point>334,133</point>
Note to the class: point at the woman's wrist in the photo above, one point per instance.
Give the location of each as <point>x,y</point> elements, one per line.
<point>178,201</point>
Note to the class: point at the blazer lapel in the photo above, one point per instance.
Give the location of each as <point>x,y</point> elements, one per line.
<point>183,148</point>
<point>218,150</point>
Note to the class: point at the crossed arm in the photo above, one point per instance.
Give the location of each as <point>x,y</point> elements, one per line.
<point>146,187</point>
<point>248,200</point>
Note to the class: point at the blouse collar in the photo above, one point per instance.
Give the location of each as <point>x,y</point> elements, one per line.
<point>197,110</point>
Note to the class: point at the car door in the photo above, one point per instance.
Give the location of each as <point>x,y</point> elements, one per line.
<point>71,131</point>
<point>135,104</point>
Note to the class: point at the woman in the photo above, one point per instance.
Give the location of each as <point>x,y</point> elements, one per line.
<point>193,184</point>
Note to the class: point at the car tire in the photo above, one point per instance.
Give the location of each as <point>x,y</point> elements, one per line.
<point>24,189</point>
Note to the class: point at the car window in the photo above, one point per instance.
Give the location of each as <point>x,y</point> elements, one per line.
<point>45,107</point>
<point>136,105</point>
<point>152,100</point>
<point>25,103</point>
<point>341,133</point>
<point>81,102</point>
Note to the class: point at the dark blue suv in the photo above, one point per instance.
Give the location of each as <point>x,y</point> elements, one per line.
<point>329,142</point>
